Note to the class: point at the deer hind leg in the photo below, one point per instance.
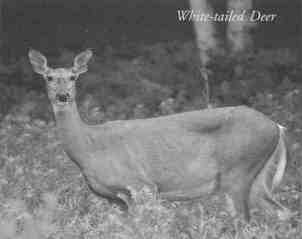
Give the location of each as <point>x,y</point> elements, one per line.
<point>242,183</point>
<point>243,201</point>
<point>272,203</point>
<point>267,201</point>
<point>239,193</point>
<point>270,199</point>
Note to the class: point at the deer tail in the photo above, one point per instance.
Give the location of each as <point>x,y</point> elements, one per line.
<point>283,158</point>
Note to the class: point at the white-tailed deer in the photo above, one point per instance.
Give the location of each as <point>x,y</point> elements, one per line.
<point>236,150</point>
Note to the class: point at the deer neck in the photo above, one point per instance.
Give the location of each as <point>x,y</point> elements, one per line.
<point>68,118</point>
<point>71,131</point>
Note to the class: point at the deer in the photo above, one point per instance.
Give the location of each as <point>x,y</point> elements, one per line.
<point>184,156</point>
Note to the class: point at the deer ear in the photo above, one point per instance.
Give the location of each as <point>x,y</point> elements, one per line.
<point>38,61</point>
<point>81,61</point>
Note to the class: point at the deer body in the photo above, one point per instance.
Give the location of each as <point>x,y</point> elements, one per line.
<point>172,151</point>
<point>182,156</point>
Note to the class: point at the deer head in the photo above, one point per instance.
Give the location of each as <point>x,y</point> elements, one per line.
<point>60,81</point>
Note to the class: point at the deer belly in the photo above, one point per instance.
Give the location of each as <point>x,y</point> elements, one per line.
<point>179,162</point>
<point>176,183</point>
<point>184,174</point>
<point>205,188</point>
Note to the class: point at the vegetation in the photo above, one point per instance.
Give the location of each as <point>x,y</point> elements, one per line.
<point>43,194</point>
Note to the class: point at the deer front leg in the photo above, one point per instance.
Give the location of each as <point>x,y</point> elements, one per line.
<point>125,194</point>
<point>126,199</point>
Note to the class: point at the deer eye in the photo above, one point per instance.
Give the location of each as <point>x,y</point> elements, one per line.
<point>73,78</point>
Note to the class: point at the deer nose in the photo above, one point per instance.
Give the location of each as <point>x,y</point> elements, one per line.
<point>62,97</point>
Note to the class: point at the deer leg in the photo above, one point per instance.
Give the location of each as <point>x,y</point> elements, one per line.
<point>119,199</point>
<point>240,198</point>
<point>246,208</point>
<point>121,204</point>
<point>243,203</point>
<point>270,199</point>
<point>126,199</point>
<point>283,212</point>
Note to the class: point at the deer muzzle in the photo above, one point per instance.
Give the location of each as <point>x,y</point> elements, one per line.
<point>63,98</point>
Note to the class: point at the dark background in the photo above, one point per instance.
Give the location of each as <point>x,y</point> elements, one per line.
<point>75,24</point>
